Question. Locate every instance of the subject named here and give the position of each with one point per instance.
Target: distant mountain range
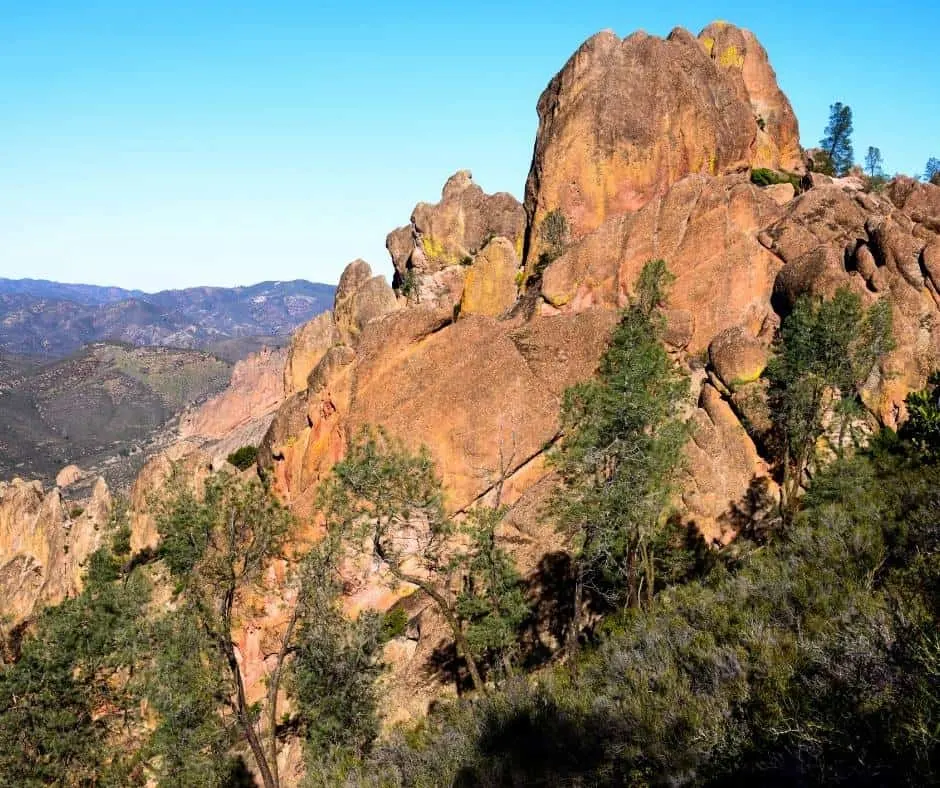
(52, 319)
(100, 407)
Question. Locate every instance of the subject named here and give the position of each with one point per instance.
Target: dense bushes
(811, 661)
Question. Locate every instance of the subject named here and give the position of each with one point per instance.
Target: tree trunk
(463, 647)
(244, 718)
(274, 685)
(574, 630)
(241, 702)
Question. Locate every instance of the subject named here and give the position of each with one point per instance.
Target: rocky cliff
(45, 542)
(644, 147)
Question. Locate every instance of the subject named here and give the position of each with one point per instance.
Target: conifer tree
(837, 142)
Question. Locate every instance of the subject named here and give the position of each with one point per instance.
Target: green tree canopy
(837, 141)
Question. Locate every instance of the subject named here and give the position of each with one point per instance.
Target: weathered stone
(45, 544)
(738, 358)
(68, 476)
(740, 54)
(780, 193)
(453, 231)
(625, 119)
(307, 346)
(333, 360)
(360, 298)
(490, 286)
(705, 229)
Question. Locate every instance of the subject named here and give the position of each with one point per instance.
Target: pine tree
(620, 456)
(932, 170)
(873, 162)
(837, 142)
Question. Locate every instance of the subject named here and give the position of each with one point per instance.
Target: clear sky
(184, 142)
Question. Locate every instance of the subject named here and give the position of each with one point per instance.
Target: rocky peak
(360, 298)
(454, 230)
(625, 119)
(738, 52)
(45, 543)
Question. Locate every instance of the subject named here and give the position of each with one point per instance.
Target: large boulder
(737, 357)
(832, 237)
(360, 298)
(625, 119)
(706, 230)
(490, 286)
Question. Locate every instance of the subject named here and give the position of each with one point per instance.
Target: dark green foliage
(244, 457)
(553, 232)
(382, 490)
(874, 164)
(932, 171)
(394, 624)
(922, 428)
(188, 686)
(760, 176)
(336, 664)
(408, 285)
(68, 700)
(824, 353)
(822, 163)
(811, 661)
(492, 601)
(837, 142)
(216, 546)
(622, 453)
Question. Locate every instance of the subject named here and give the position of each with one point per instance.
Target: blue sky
(171, 144)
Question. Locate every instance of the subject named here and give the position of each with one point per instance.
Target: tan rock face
(454, 230)
(360, 298)
(45, 544)
(68, 476)
(706, 231)
(740, 54)
(307, 346)
(625, 119)
(490, 285)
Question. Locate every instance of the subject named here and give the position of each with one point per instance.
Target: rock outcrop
(625, 119)
(706, 230)
(447, 233)
(242, 413)
(307, 346)
(741, 56)
(45, 543)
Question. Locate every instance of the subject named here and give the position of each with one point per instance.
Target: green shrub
(761, 176)
(244, 457)
(394, 624)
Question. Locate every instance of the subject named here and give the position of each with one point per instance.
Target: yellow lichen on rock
(490, 286)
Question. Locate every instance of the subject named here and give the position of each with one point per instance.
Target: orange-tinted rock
(307, 347)
(832, 237)
(454, 230)
(194, 467)
(706, 230)
(360, 298)
(623, 120)
(737, 357)
(740, 54)
(490, 285)
(723, 464)
(68, 476)
(45, 544)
